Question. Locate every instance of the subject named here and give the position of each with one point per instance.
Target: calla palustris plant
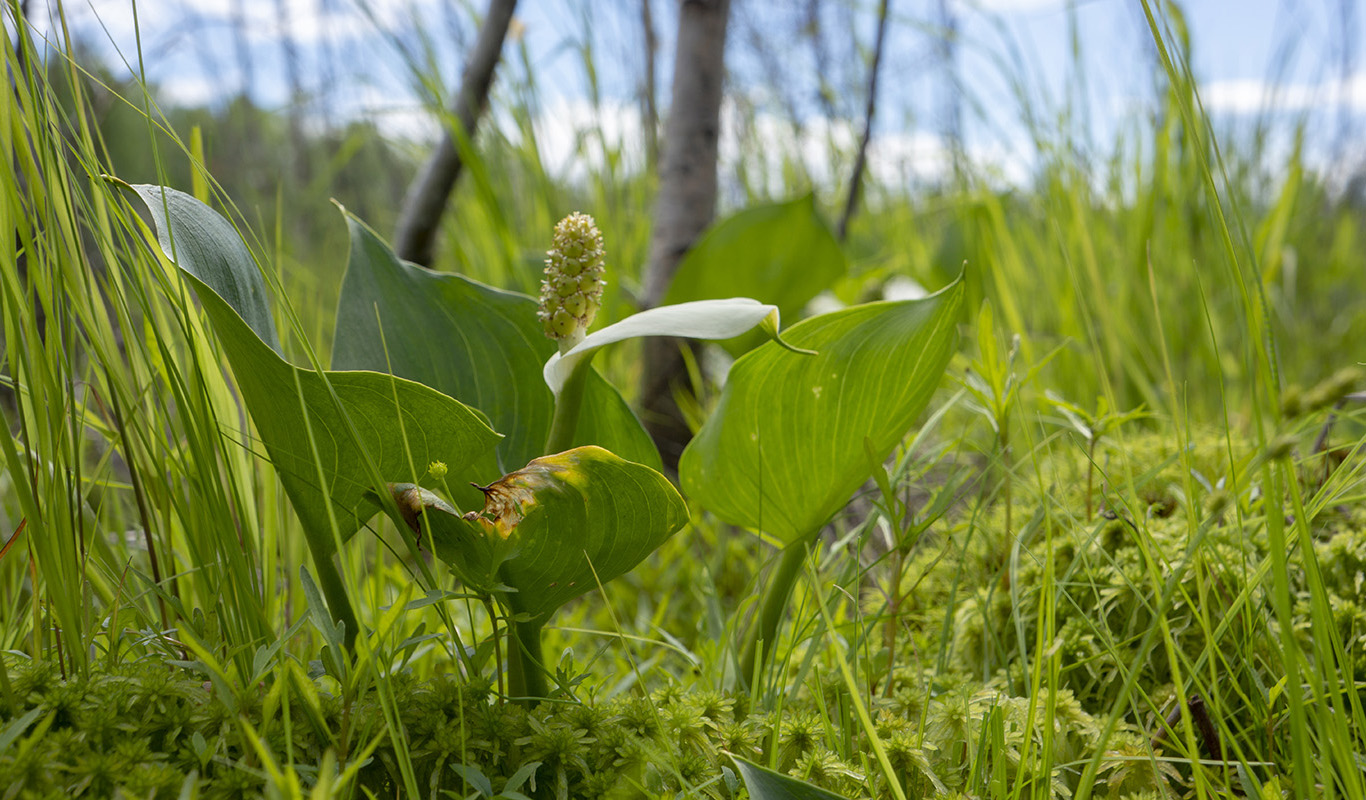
(422, 363)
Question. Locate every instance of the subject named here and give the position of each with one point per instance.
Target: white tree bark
(686, 202)
(651, 121)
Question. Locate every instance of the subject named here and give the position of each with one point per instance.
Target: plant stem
(567, 403)
(765, 631)
(526, 666)
(1005, 465)
(893, 614)
(497, 650)
(338, 601)
(6, 690)
(1090, 476)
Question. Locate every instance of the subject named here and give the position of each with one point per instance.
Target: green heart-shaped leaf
(554, 529)
(481, 345)
(784, 449)
(359, 423)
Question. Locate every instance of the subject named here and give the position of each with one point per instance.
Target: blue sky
(1015, 61)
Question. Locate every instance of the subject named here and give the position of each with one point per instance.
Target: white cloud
(567, 134)
(1009, 6)
(1250, 96)
(313, 21)
(189, 91)
(909, 158)
(568, 130)
(408, 122)
(400, 118)
(309, 23)
(825, 149)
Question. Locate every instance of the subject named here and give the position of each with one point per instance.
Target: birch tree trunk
(686, 202)
(651, 114)
(425, 202)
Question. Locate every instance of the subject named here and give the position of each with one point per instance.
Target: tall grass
(976, 593)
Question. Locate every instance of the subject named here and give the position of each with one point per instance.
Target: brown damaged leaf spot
(505, 505)
(508, 500)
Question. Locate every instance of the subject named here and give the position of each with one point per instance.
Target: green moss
(956, 726)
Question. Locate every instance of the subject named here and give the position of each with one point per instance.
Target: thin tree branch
(861, 160)
(430, 191)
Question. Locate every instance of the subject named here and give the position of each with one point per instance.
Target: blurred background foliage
(1061, 232)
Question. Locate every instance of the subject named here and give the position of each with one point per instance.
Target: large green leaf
(554, 529)
(480, 345)
(765, 784)
(785, 447)
(781, 253)
(351, 418)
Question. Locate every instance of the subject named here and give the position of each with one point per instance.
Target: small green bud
(560, 324)
(572, 289)
(437, 469)
(576, 304)
(564, 285)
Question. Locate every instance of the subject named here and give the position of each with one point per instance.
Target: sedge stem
(526, 666)
(765, 631)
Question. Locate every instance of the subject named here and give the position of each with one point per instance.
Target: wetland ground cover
(1085, 520)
